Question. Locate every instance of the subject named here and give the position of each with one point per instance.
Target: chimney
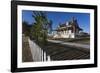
(67, 23)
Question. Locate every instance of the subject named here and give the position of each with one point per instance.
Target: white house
(69, 29)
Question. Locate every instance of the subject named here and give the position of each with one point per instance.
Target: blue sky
(83, 19)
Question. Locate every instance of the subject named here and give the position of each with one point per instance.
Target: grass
(63, 52)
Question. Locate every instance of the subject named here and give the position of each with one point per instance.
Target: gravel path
(71, 44)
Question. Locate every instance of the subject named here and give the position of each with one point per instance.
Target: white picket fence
(37, 53)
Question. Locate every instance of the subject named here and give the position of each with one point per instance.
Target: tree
(40, 26)
(26, 28)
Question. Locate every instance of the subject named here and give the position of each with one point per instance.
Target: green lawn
(63, 52)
